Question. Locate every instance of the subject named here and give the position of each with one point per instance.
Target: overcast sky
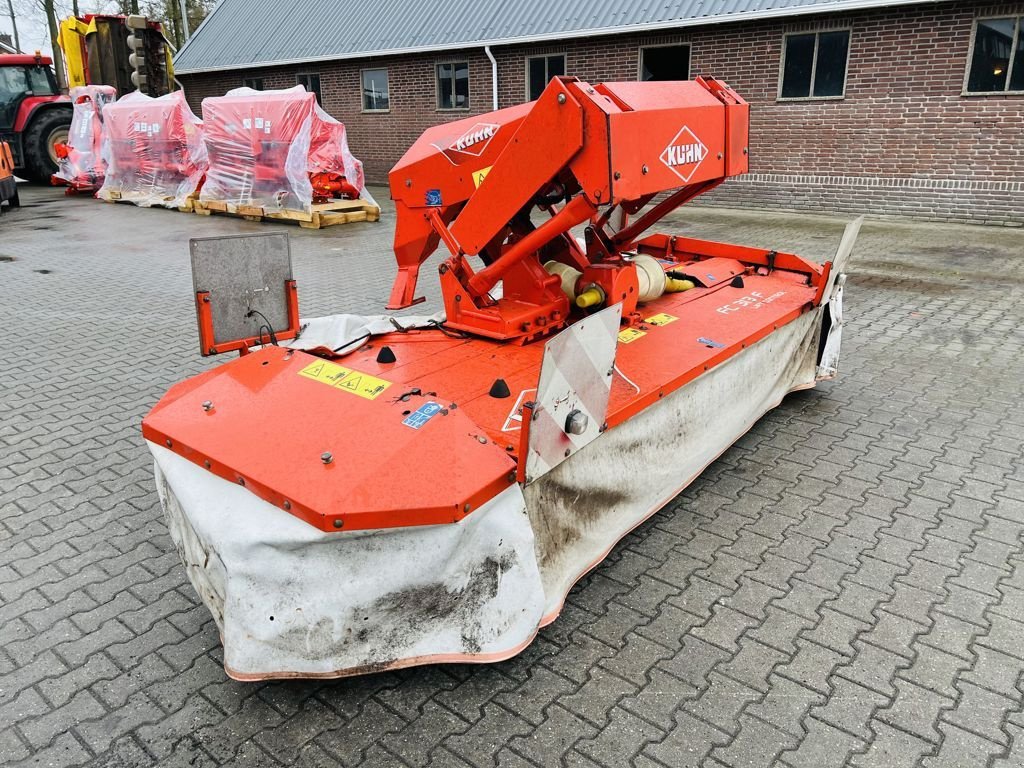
(32, 22)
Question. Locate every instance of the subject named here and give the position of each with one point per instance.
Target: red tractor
(34, 116)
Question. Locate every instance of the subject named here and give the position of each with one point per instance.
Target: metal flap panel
(575, 382)
(843, 253)
(246, 277)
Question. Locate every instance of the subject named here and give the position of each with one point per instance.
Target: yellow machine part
(169, 58)
(71, 39)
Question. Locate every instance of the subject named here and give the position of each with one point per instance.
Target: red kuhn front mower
(354, 494)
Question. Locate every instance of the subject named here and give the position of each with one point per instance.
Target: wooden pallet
(188, 207)
(320, 215)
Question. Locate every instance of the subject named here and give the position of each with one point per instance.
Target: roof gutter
(494, 78)
(671, 24)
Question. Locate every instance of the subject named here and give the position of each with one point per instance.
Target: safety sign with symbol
(479, 176)
(660, 319)
(629, 335)
(422, 415)
(345, 379)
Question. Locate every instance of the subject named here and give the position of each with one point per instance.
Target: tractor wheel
(41, 139)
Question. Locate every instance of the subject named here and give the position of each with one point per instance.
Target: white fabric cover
(476, 590)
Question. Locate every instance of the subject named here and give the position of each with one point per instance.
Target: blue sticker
(422, 415)
(710, 277)
(434, 197)
(710, 343)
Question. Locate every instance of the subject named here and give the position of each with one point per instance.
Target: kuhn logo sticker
(473, 142)
(684, 154)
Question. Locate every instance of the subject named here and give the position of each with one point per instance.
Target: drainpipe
(494, 77)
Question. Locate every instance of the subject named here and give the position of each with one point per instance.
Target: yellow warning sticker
(660, 319)
(629, 335)
(479, 176)
(363, 384)
(356, 382)
(327, 372)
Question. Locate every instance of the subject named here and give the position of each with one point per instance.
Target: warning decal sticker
(479, 176)
(629, 335)
(660, 319)
(345, 379)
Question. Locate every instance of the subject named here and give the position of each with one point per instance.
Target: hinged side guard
(244, 290)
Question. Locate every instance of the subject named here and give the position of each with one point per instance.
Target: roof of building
(6, 47)
(239, 34)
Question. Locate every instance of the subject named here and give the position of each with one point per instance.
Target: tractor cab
(34, 116)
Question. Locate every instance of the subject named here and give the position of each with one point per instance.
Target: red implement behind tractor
(80, 163)
(381, 492)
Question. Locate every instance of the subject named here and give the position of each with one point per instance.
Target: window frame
(640, 59)
(247, 80)
(545, 56)
(437, 85)
(1013, 51)
(362, 94)
(814, 64)
(319, 92)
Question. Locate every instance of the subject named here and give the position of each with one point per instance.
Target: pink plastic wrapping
(81, 167)
(153, 149)
(263, 146)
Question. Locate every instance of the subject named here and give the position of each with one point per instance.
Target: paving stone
(823, 747)
(915, 710)
(485, 737)
(695, 662)
(688, 743)
(415, 741)
(811, 666)
(603, 690)
(960, 747)
(753, 665)
(40, 731)
(532, 697)
(622, 738)
(892, 748)
(981, 711)
(781, 629)
(363, 731)
(786, 705)
(721, 703)
(836, 631)
(64, 750)
(554, 737)
(850, 708)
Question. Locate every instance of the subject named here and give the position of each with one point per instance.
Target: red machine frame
(208, 346)
(615, 146)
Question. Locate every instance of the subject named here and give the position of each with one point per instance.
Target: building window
(256, 83)
(997, 56)
(665, 62)
(539, 71)
(375, 90)
(453, 85)
(311, 83)
(814, 65)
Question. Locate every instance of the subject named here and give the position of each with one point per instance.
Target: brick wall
(903, 141)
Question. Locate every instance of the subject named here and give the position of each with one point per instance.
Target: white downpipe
(494, 77)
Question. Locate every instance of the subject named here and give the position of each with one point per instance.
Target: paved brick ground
(845, 586)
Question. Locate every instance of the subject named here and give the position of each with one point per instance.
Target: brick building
(904, 108)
